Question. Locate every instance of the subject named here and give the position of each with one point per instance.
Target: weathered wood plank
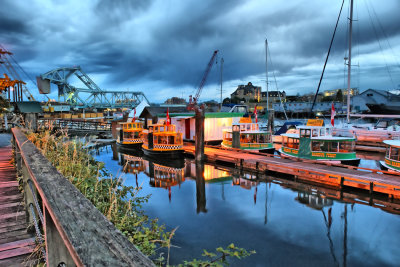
(14, 236)
(17, 244)
(12, 214)
(9, 184)
(16, 252)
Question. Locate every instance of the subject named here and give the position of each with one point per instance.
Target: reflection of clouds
(294, 235)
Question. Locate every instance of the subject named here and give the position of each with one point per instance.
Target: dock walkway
(15, 243)
(333, 176)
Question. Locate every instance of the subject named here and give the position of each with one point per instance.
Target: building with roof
(214, 124)
(370, 96)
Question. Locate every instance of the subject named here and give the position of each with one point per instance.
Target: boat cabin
(164, 137)
(131, 129)
(392, 157)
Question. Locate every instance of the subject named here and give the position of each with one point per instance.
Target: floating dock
(336, 176)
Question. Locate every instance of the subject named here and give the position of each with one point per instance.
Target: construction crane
(9, 68)
(193, 101)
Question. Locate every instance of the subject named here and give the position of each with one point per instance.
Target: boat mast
(266, 70)
(349, 62)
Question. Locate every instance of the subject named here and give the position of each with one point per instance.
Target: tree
(339, 96)
(226, 101)
(4, 105)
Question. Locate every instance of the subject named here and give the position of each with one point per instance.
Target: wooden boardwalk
(15, 243)
(332, 176)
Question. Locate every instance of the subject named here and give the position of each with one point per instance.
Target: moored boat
(392, 157)
(247, 135)
(129, 134)
(162, 141)
(316, 142)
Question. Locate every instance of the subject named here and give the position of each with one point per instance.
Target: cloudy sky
(162, 47)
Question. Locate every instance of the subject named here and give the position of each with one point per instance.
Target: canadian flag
(255, 113)
(333, 113)
(168, 119)
(134, 114)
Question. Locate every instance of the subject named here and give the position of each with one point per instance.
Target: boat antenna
(266, 70)
(326, 59)
(349, 62)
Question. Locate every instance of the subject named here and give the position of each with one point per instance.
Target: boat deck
(16, 245)
(375, 181)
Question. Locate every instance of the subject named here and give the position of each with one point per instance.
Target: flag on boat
(255, 113)
(134, 114)
(333, 113)
(168, 118)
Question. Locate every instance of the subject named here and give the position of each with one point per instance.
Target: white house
(214, 124)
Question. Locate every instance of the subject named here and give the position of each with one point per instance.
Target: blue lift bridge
(91, 96)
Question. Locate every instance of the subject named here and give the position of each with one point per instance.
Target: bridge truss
(90, 97)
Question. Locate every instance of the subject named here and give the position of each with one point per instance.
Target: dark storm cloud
(168, 42)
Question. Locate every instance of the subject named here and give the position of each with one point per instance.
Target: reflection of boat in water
(164, 176)
(247, 136)
(244, 183)
(162, 141)
(392, 157)
(132, 163)
(318, 143)
(314, 201)
(129, 134)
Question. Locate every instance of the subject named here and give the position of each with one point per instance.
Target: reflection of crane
(193, 102)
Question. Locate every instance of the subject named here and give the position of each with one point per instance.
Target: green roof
(207, 115)
(29, 107)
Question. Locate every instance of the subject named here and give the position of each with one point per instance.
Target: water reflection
(287, 222)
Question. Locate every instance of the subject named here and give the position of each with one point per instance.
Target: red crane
(193, 102)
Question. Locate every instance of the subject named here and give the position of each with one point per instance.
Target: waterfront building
(369, 96)
(353, 92)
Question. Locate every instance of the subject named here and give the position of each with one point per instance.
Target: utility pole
(222, 67)
(266, 70)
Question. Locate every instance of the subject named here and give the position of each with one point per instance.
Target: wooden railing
(75, 232)
(74, 125)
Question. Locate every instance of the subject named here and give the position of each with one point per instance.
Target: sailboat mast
(266, 70)
(349, 62)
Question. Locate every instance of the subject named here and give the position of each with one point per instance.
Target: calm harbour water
(286, 223)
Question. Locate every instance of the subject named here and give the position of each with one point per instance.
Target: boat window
(178, 138)
(314, 132)
(171, 139)
(150, 129)
(322, 132)
(333, 146)
(161, 129)
(228, 136)
(346, 146)
(253, 127)
(293, 143)
(248, 127)
(305, 132)
(394, 153)
(316, 145)
(328, 131)
(262, 138)
(162, 139)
